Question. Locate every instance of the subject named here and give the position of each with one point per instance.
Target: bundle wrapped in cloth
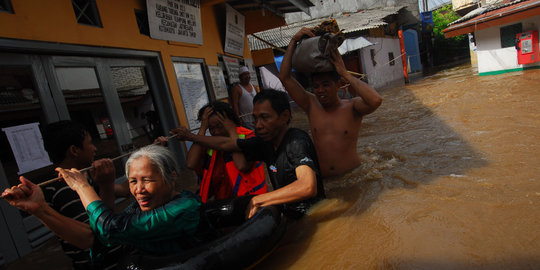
(312, 54)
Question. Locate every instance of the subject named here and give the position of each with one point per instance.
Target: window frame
(93, 9)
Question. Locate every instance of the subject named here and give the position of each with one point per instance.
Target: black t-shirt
(295, 150)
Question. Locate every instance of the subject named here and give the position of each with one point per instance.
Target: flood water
(449, 180)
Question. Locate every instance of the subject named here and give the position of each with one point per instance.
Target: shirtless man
(335, 123)
(242, 98)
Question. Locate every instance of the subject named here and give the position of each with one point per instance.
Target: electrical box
(527, 47)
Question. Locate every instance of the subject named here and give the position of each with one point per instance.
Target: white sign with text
(235, 32)
(176, 20)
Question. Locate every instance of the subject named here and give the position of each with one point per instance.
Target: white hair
(161, 157)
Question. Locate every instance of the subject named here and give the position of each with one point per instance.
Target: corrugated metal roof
(483, 10)
(352, 22)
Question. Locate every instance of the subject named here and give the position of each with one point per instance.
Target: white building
(494, 28)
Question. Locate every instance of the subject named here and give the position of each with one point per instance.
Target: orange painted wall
(264, 21)
(263, 57)
(54, 21)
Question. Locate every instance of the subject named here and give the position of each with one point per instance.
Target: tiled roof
(352, 22)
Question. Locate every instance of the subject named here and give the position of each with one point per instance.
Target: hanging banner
(232, 65)
(234, 32)
(218, 82)
(27, 147)
(176, 20)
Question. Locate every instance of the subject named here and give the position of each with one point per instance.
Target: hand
(337, 61)
(162, 140)
(182, 133)
(227, 123)
(103, 171)
(73, 177)
(252, 209)
(302, 33)
(27, 196)
(204, 120)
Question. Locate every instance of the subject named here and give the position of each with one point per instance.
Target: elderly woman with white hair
(167, 227)
(161, 220)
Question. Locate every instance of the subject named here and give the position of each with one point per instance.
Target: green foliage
(447, 49)
(441, 18)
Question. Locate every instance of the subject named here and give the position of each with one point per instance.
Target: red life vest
(250, 182)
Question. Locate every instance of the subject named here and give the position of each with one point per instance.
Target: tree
(447, 49)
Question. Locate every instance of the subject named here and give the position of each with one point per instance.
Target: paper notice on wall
(218, 82)
(27, 147)
(176, 20)
(192, 89)
(252, 72)
(234, 32)
(233, 66)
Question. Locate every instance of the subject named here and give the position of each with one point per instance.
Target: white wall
(491, 57)
(383, 75)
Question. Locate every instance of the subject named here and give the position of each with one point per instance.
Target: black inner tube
(250, 240)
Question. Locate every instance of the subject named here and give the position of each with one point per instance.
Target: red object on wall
(527, 47)
(403, 56)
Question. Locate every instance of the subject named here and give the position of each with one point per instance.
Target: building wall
(332, 8)
(54, 21)
(382, 74)
(460, 4)
(493, 58)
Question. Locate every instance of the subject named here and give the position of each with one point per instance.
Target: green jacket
(165, 230)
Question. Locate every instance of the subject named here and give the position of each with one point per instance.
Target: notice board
(193, 90)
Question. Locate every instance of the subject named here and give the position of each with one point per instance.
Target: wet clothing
(295, 150)
(221, 179)
(66, 202)
(164, 230)
(245, 107)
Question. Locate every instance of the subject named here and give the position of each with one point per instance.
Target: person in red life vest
(222, 174)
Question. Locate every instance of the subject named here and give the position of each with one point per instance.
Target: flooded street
(449, 181)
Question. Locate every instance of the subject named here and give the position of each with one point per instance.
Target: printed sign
(235, 32)
(176, 20)
(192, 89)
(27, 146)
(252, 72)
(218, 82)
(232, 65)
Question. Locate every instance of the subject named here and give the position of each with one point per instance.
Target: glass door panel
(19, 105)
(140, 113)
(84, 98)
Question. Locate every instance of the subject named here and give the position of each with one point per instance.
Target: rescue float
(245, 246)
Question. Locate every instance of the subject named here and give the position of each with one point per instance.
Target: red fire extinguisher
(107, 127)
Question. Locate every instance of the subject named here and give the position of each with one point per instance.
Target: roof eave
(476, 24)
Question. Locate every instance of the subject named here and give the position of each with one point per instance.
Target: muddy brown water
(449, 180)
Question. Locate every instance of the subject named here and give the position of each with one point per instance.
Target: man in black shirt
(289, 155)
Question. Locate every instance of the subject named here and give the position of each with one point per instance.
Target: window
(5, 5)
(391, 58)
(142, 22)
(86, 12)
(508, 35)
(372, 53)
